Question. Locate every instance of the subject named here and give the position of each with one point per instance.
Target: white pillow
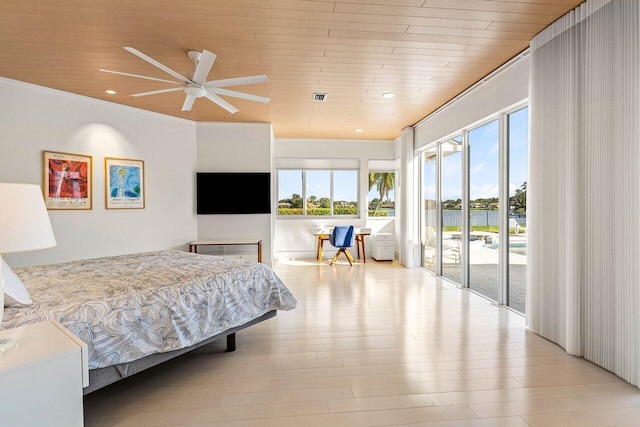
(14, 290)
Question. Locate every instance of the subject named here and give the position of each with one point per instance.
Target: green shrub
(318, 211)
(345, 211)
(290, 211)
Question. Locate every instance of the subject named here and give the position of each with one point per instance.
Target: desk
(193, 246)
(324, 233)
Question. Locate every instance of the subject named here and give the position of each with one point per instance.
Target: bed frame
(102, 377)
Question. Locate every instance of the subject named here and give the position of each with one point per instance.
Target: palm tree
(384, 182)
(519, 200)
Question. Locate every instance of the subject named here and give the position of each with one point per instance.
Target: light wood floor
(374, 345)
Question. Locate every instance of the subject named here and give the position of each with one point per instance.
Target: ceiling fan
(196, 86)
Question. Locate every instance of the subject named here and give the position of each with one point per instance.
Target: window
(382, 201)
(345, 193)
(290, 192)
(318, 192)
(313, 192)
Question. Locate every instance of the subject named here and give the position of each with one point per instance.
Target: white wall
(506, 87)
(235, 147)
(33, 119)
(293, 236)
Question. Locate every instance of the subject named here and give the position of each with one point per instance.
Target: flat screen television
(220, 193)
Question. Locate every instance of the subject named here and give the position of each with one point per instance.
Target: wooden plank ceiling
(424, 51)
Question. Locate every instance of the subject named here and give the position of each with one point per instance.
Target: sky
(484, 162)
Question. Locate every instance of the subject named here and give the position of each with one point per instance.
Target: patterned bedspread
(129, 306)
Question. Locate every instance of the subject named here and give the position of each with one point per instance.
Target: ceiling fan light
(195, 56)
(195, 91)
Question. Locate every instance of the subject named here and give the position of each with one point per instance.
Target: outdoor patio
(483, 268)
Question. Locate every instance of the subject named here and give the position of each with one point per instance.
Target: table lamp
(24, 223)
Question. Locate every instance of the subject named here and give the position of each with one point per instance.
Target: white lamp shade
(24, 221)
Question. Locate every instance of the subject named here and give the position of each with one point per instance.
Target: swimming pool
(514, 247)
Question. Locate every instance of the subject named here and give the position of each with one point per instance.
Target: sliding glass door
(450, 233)
(431, 240)
(518, 124)
(474, 208)
(484, 215)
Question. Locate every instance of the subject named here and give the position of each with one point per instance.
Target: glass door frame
(503, 203)
(439, 208)
(466, 213)
(438, 211)
(503, 208)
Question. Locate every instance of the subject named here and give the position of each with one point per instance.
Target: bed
(135, 311)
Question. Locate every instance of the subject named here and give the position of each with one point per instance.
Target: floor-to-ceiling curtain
(584, 186)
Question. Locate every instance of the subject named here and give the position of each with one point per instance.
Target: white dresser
(382, 246)
(41, 380)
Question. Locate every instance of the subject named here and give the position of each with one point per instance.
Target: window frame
(304, 195)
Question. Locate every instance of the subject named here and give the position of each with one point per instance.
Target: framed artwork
(124, 183)
(67, 181)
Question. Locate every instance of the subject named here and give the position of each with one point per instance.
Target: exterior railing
(479, 218)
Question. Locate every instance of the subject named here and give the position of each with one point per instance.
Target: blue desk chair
(342, 237)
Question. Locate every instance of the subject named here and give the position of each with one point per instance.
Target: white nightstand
(41, 380)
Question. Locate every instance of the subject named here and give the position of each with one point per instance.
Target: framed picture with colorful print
(124, 183)
(67, 181)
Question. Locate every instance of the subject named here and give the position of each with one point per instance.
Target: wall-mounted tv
(233, 193)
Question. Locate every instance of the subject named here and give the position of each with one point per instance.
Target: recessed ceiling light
(388, 95)
(110, 91)
(358, 130)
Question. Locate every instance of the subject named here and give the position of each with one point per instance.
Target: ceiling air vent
(319, 97)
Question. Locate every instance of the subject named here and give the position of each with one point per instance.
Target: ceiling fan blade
(221, 102)
(155, 63)
(141, 77)
(173, 89)
(204, 66)
(188, 103)
(235, 94)
(237, 81)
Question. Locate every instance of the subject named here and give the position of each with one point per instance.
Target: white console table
(41, 380)
(193, 246)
